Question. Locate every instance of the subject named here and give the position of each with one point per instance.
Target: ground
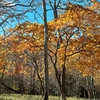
(31, 97)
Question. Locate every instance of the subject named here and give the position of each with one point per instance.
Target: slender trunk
(45, 52)
(40, 83)
(63, 95)
(37, 72)
(89, 94)
(88, 83)
(32, 82)
(55, 10)
(61, 82)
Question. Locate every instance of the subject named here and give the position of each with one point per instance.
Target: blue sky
(50, 12)
(39, 19)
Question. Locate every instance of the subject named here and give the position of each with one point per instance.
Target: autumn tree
(73, 41)
(75, 35)
(72, 34)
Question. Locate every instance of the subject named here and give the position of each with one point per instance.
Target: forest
(50, 48)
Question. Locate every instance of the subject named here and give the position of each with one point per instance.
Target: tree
(73, 40)
(46, 91)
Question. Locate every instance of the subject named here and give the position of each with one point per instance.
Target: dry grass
(31, 97)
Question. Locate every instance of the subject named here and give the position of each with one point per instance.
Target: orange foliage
(74, 36)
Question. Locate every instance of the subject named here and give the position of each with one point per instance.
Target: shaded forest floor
(31, 97)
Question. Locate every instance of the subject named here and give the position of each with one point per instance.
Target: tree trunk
(63, 95)
(55, 10)
(42, 89)
(88, 83)
(89, 94)
(45, 52)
